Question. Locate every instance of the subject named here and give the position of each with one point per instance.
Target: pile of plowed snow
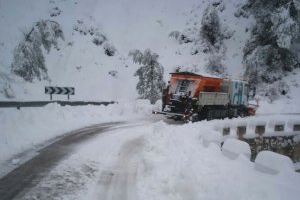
(177, 165)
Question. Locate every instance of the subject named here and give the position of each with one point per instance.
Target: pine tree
(28, 61)
(150, 75)
(268, 54)
(212, 36)
(210, 26)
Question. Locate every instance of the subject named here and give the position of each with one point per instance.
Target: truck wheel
(194, 118)
(209, 115)
(242, 113)
(232, 113)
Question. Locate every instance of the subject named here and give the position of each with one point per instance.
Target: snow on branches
(268, 54)
(150, 74)
(28, 61)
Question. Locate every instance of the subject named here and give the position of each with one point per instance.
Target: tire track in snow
(120, 182)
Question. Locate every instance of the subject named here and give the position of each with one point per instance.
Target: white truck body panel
(213, 98)
(238, 92)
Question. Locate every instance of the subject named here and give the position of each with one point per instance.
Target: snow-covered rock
(270, 162)
(232, 148)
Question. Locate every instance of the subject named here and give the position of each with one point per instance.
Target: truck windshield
(183, 86)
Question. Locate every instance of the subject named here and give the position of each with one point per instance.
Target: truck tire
(210, 115)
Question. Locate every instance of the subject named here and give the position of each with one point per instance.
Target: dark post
(68, 97)
(50, 97)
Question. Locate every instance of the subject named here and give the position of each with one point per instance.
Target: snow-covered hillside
(170, 28)
(79, 62)
(105, 49)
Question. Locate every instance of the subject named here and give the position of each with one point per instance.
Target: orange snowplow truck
(195, 97)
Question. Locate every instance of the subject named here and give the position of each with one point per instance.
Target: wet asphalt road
(26, 176)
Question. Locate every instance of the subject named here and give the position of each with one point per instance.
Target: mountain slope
(137, 24)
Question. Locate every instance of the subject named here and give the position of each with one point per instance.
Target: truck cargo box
(213, 98)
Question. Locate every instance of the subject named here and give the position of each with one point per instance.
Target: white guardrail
(265, 125)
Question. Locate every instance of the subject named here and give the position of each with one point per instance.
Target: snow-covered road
(119, 182)
(143, 160)
(24, 181)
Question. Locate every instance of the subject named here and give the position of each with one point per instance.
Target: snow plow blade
(169, 114)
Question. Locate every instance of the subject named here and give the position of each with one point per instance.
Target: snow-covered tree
(210, 27)
(99, 39)
(150, 75)
(28, 61)
(268, 55)
(49, 32)
(180, 37)
(109, 49)
(215, 66)
(267, 64)
(285, 26)
(213, 36)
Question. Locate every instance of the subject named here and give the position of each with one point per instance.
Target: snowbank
(270, 162)
(232, 148)
(176, 165)
(25, 128)
(210, 136)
